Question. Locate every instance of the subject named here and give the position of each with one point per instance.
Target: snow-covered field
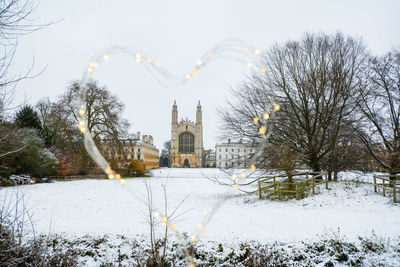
(98, 207)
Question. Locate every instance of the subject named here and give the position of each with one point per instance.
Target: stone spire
(199, 114)
(174, 113)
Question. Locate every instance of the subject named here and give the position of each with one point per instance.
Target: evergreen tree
(27, 117)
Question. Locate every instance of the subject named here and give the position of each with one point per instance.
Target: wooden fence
(279, 186)
(389, 183)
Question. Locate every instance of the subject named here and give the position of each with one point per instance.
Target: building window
(186, 143)
(138, 150)
(233, 150)
(219, 156)
(220, 150)
(238, 149)
(233, 156)
(245, 150)
(226, 150)
(138, 156)
(226, 156)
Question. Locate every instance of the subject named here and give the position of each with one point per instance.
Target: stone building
(132, 149)
(234, 154)
(186, 140)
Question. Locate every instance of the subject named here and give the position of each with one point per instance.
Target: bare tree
(15, 20)
(312, 79)
(379, 105)
(103, 109)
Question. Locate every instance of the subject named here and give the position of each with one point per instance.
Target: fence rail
(296, 188)
(389, 183)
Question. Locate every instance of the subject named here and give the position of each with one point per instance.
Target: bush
(136, 168)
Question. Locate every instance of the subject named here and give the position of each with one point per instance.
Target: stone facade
(234, 154)
(186, 140)
(132, 149)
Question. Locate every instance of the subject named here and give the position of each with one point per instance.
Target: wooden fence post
(383, 187)
(259, 189)
(374, 183)
(278, 190)
(297, 192)
(326, 181)
(313, 186)
(394, 190)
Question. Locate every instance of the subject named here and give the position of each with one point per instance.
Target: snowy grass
(96, 208)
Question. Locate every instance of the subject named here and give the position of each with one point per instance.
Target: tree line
(44, 139)
(340, 106)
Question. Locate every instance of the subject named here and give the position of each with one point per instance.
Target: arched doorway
(186, 164)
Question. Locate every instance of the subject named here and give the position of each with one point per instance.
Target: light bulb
(206, 213)
(211, 55)
(157, 214)
(263, 69)
(262, 130)
(256, 119)
(82, 123)
(188, 76)
(173, 227)
(106, 56)
(245, 50)
(83, 130)
(253, 167)
(194, 238)
(243, 176)
(111, 176)
(236, 187)
(164, 221)
(199, 62)
(118, 176)
(266, 116)
(257, 51)
(277, 107)
(82, 112)
(90, 70)
(234, 177)
(122, 181)
(200, 226)
(249, 64)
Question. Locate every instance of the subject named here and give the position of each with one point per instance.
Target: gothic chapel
(186, 141)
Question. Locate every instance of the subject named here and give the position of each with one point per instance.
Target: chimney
(138, 135)
(145, 138)
(150, 139)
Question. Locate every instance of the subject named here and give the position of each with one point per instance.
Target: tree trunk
(335, 175)
(329, 175)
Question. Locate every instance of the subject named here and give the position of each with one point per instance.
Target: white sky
(177, 33)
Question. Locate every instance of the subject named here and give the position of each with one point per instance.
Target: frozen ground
(98, 207)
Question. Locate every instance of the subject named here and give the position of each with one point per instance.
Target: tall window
(186, 143)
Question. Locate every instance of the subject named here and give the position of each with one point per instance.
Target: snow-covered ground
(98, 207)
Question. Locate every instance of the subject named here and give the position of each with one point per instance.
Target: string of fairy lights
(232, 49)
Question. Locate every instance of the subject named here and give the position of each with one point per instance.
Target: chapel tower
(186, 140)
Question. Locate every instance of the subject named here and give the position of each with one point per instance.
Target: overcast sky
(177, 33)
